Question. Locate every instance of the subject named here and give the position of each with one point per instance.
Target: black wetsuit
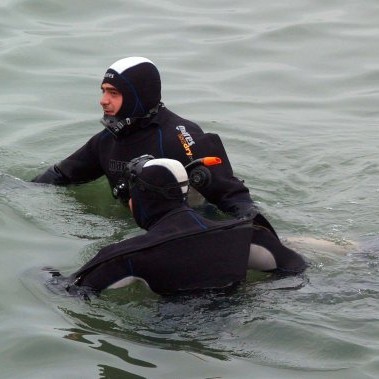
(165, 135)
(181, 251)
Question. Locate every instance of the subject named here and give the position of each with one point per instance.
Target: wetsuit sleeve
(225, 190)
(80, 167)
(52, 175)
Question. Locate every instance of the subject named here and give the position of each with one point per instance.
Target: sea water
(292, 89)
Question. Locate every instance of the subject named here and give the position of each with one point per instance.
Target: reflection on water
(307, 322)
(239, 323)
(108, 372)
(79, 335)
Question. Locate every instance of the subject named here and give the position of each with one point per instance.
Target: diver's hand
(246, 211)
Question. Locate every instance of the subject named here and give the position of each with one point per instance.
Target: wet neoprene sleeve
(80, 167)
(52, 175)
(165, 136)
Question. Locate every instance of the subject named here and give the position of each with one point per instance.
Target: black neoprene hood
(139, 82)
(161, 186)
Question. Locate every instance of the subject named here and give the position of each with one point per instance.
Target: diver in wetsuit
(181, 250)
(136, 123)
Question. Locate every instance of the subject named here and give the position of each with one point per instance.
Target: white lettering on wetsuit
(117, 166)
(109, 75)
(186, 135)
(186, 140)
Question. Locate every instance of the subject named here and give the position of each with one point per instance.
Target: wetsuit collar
(121, 127)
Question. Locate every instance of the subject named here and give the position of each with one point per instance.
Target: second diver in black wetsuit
(181, 250)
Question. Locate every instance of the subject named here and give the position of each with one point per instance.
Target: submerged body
(181, 250)
(184, 251)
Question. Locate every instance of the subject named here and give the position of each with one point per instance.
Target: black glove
(250, 211)
(244, 211)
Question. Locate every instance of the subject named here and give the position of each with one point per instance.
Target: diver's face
(111, 99)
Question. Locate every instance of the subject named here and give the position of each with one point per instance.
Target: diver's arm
(225, 190)
(53, 175)
(80, 167)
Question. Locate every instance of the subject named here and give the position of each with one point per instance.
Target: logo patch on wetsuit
(186, 140)
(117, 166)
